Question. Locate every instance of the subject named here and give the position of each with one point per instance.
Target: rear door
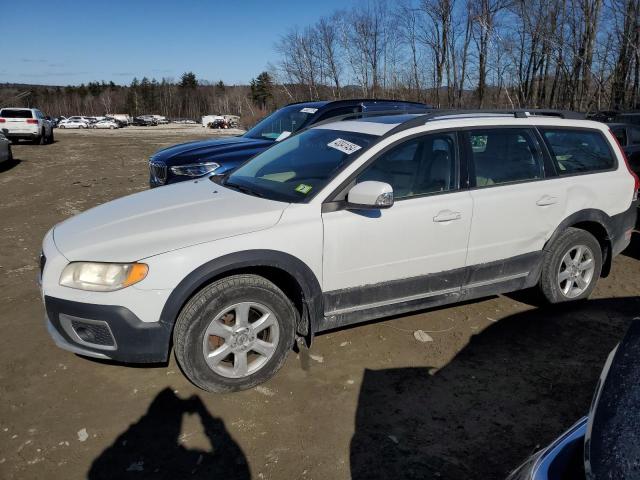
(514, 208)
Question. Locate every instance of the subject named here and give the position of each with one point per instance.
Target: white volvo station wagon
(348, 221)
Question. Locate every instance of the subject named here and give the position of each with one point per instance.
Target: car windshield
(300, 166)
(16, 114)
(289, 119)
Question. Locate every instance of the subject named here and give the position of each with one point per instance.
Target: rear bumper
(106, 331)
(21, 135)
(621, 227)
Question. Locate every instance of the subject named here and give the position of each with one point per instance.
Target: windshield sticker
(308, 110)
(303, 188)
(344, 146)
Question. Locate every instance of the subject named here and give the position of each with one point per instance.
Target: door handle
(546, 200)
(447, 216)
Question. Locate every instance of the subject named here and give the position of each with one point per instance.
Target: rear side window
(505, 155)
(579, 151)
(16, 113)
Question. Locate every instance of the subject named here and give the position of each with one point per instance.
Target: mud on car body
(344, 222)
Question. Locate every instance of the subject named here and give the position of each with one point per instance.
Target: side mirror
(370, 195)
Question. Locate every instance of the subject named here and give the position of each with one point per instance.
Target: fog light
(86, 334)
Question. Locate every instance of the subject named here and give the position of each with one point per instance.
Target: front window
(287, 119)
(299, 167)
(420, 166)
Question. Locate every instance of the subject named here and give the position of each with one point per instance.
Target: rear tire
(40, 139)
(571, 267)
(234, 334)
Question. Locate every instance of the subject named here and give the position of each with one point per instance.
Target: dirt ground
(501, 377)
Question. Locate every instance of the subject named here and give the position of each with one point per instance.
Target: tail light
(636, 186)
(2, 120)
(32, 121)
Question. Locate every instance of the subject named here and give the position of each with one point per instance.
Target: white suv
(26, 124)
(342, 223)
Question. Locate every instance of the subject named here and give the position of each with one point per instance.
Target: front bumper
(106, 331)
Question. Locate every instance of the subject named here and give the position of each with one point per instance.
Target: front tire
(571, 267)
(234, 334)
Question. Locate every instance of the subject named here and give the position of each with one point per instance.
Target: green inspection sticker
(303, 188)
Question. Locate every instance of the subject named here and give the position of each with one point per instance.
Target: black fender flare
(588, 215)
(296, 268)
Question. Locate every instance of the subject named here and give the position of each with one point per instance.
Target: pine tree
(262, 89)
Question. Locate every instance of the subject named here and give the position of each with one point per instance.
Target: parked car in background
(26, 124)
(71, 123)
(118, 121)
(628, 136)
(112, 124)
(209, 119)
(6, 155)
(186, 161)
(628, 117)
(145, 121)
(122, 118)
(606, 443)
(345, 222)
(605, 116)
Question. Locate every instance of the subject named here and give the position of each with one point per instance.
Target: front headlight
(102, 277)
(195, 169)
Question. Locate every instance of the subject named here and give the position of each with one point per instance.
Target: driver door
(379, 262)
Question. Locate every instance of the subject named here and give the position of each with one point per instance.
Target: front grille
(93, 333)
(157, 173)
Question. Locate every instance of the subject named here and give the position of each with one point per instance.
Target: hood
(210, 150)
(163, 219)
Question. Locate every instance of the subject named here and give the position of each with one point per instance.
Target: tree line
(188, 98)
(569, 54)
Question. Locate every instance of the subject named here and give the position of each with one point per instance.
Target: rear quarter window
(579, 151)
(16, 113)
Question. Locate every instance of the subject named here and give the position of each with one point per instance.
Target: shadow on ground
(466, 420)
(8, 165)
(150, 448)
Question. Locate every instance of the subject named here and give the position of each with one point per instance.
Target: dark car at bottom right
(606, 443)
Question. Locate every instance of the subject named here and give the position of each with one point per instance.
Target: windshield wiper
(242, 189)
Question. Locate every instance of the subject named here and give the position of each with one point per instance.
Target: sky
(66, 42)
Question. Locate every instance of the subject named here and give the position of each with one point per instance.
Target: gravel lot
(501, 377)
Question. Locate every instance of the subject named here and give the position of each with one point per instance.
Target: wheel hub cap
(241, 339)
(576, 271)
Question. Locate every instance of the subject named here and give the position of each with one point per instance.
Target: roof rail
(450, 114)
(376, 113)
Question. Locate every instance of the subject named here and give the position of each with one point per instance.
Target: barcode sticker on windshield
(309, 110)
(344, 146)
